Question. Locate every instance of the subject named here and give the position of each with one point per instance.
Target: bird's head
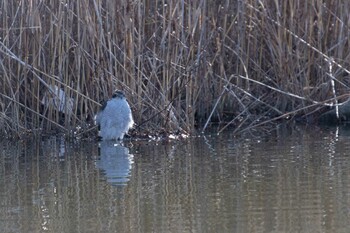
(118, 94)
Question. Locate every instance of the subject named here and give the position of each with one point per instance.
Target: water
(290, 181)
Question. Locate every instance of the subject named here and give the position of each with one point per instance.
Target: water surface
(294, 180)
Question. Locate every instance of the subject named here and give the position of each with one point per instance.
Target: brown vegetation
(181, 64)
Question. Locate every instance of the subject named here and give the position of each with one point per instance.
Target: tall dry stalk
(181, 63)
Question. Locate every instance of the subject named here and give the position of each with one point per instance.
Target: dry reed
(182, 64)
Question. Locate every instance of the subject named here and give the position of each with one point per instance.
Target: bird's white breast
(115, 119)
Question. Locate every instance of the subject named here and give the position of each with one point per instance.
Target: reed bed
(182, 64)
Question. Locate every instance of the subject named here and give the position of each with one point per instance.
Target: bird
(115, 117)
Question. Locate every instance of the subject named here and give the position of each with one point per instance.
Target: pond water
(294, 180)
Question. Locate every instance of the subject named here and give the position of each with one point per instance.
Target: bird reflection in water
(115, 162)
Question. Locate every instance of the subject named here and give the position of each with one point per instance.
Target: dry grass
(182, 64)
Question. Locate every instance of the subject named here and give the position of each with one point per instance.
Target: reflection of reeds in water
(180, 63)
